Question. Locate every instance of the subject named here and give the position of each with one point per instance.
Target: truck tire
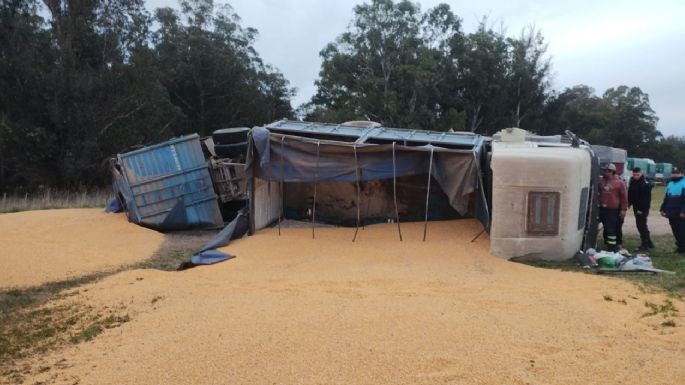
(230, 135)
(231, 151)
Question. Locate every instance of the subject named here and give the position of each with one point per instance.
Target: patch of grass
(566, 265)
(113, 321)
(669, 323)
(165, 261)
(658, 193)
(31, 330)
(28, 323)
(663, 257)
(177, 248)
(98, 327)
(17, 299)
(667, 309)
(87, 334)
(36, 330)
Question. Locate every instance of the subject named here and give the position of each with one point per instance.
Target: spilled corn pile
(53, 245)
(292, 309)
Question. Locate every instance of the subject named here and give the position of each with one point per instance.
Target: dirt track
(657, 224)
(290, 309)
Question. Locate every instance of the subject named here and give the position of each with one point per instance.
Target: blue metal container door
(170, 185)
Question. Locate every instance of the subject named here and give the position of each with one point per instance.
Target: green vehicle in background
(648, 167)
(663, 172)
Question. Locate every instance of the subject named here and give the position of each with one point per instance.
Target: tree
(92, 80)
(621, 118)
(482, 60)
(402, 67)
(371, 70)
(528, 79)
(26, 57)
(634, 122)
(668, 150)
(579, 110)
(212, 71)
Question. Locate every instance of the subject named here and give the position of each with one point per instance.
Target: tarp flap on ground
(209, 255)
(283, 157)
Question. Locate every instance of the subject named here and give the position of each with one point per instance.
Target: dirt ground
(290, 309)
(38, 247)
(657, 224)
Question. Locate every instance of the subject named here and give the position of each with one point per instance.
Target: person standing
(613, 203)
(673, 208)
(619, 229)
(640, 198)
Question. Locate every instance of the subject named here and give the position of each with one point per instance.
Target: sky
(601, 44)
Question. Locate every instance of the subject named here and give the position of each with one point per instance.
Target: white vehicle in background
(663, 173)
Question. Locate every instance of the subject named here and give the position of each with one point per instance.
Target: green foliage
(213, 73)
(401, 67)
(670, 149)
(405, 68)
(622, 117)
(81, 81)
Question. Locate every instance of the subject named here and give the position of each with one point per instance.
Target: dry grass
(54, 199)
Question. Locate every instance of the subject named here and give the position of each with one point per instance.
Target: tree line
(403, 67)
(83, 80)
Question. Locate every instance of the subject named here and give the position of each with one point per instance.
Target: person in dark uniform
(640, 198)
(673, 208)
(613, 203)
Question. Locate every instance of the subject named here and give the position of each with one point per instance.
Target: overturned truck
(536, 196)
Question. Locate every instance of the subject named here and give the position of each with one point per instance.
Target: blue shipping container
(167, 186)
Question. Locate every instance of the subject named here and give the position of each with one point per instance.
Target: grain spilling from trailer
(356, 176)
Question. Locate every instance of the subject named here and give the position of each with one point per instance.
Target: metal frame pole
(269, 208)
(280, 214)
(356, 172)
(428, 191)
(394, 191)
(316, 182)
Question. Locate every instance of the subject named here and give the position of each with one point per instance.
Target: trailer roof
(375, 133)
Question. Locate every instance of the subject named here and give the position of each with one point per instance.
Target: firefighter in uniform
(613, 203)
